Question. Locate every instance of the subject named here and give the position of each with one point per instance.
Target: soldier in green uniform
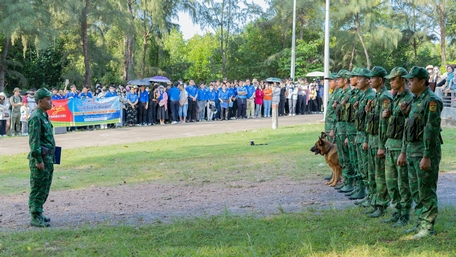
(422, 150)
(397, 176)
(348, 112)
(330, 113)
(342, 82)
(376, 142)
(41, 157)
(366, 95)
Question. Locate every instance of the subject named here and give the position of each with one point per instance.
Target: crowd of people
(388, 142)
(176, 103)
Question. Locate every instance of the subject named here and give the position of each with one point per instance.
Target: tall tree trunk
(441, 10)
(222, 41)
(352, 56)
(358, 31)
(144, 50)
(415, 51)
(128, 43)
(3, 63)
(126, 60)
(85, 43)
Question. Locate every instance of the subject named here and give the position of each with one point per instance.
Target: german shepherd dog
(329, 150)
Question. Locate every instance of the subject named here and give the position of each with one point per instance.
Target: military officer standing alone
(41, 157)
(397, 176)
(422, 150)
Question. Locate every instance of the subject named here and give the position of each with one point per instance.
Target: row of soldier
(388, 142)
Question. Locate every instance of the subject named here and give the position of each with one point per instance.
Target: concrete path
(17, 145)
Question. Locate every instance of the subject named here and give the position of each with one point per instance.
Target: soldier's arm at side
(432, 128)
(34, 139)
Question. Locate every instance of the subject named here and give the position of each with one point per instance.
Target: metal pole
(293, 44)
(326, 85)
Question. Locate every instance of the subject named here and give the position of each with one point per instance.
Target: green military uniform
(376, 140)
(348, 115)
(330, 113)
(422, 140)
(397, 176)
(42, 146)
(341, 130)
(361, 154)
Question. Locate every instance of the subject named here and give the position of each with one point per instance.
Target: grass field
(213, 159)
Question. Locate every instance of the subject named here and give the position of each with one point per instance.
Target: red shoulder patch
(386, 103)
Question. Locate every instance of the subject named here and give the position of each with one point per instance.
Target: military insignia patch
(386, 103)
(432, 106)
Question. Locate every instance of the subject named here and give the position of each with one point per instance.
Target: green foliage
(309, 57)
(200, 50)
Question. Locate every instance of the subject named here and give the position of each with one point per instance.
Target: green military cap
(417, 72)
(397, 72)
(332, 76)
(364, 73)
(42, 93)
(355, 72)
(377, 71)
(343, 74)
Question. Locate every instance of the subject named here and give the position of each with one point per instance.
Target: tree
(366, 19)
(225, 18)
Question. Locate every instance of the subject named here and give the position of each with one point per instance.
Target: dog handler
(41, 157)
(422, 150)
(342, 82)
(397, 176)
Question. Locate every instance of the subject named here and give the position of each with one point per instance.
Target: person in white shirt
(292, 98)
(25, 114)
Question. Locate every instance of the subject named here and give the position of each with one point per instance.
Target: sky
(189, 29)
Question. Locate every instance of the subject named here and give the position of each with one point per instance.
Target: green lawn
(226, 157)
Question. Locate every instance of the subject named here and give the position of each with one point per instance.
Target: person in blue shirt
(55, 94)
(320, 92)
(73, 93)
(201, 101)
(192, 91)
(85, 94)
(112, 91)
(174, 94)
(224, 96)
(132, 105)
(241, 100)
(231, 87)
(251, 88)
(143, 105)
(211, 95)
(217, 89)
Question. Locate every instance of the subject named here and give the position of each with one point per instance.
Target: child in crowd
(25, 114)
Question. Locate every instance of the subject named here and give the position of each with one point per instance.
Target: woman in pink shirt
(259, 94)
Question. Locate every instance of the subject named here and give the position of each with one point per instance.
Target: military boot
(46, 219)
(340, 185)
(329, 177)
(414, 229)
(394, 218)
(348, 186)
(378, 213)
(360, 194)
(37, 221)
(365, 199)
(424, 231)
(355, 190)
(370, 211)
(403, 220)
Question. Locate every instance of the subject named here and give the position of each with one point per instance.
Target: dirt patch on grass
(155, 202)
